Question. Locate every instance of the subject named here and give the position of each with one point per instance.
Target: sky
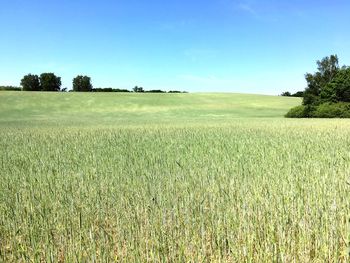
(245, 46)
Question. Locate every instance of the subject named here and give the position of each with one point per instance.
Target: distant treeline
(51, 82)
(136, 89)
(13, 88)
(296, 94)
(108, 90)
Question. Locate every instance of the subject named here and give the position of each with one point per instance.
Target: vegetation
(109, 90)
(73, 108)
(188, 178)
(50, 82)
(176, 91)
(31, 83)
(138, 89)
(10, 88)
(296, 94)
(328, 92)
(155, 91)
(46, 82)
(82, 83)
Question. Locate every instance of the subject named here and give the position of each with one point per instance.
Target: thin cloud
(247, 8)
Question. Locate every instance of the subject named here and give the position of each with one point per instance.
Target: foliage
(327, 68)
(109, 90)
(296, 94)
(155, 91)
(30, 83)
(332, 110)
(286, 94)
(10, 88)
(50, 82)
(297, 112)
(327, 89)
(338, 90)
(323, 110)
(138, 89)
(82, 83)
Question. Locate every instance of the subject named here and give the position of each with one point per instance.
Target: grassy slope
(122, 108)
(245, 185)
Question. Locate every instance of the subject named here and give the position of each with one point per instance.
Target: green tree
(338, 90)
(50, 82)
(30, 83)
(82, 83)
(138, 89)
(327, 68)
(286, 94)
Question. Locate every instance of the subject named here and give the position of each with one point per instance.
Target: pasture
(170, 178)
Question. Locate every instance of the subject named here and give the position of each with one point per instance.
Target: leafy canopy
(82, 83)
(328, 92)
(50, 82)
(30, 83)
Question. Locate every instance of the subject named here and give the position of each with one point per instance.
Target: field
(170, 178)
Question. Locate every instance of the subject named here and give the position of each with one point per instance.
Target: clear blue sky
(245, 46)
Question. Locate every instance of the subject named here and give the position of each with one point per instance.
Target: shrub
(297, 112)
(332, 110)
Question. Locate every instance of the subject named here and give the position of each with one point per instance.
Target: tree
(50, 82)
(338, 90)
(30, 83)
(138, 89)
(327, 68)
(82, 83)
(298, 94)
(286, 94)
(328, 92)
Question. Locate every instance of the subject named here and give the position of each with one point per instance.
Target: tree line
(327, 94)
(296, 94)
(10, 88)
(51, 82)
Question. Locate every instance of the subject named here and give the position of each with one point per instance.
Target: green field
(170, 178)
(45, 109)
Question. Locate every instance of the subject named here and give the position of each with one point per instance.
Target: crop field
(170, 178)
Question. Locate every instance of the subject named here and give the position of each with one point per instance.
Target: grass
(135, 109)
(196, 181)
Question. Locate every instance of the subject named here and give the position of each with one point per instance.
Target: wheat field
(178, 178)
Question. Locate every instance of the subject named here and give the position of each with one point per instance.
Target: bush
(324, 110)
(332, 110)
(297, 112)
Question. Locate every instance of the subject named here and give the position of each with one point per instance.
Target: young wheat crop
(257, 190)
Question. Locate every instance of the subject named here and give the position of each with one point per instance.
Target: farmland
(170, 177)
